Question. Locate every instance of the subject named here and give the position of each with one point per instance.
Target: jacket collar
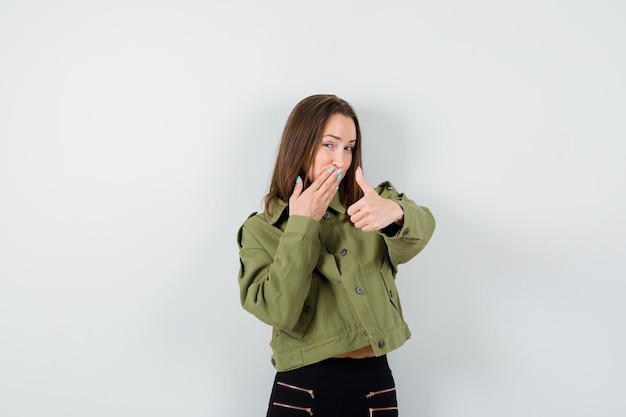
(335, 205)
(282, 206)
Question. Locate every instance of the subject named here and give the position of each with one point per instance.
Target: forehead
(340, 127)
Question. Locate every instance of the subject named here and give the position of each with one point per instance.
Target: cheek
(347, 161)
(314, 173)
(321, 160)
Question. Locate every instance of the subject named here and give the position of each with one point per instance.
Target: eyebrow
(338, 138)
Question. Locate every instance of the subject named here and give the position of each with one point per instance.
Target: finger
(297, 189)
(354, 208)
(360, 179)
(331, 182)
(322, 178)
(362, 223)
(357, 217)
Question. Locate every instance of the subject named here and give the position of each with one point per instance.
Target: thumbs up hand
(373, 212)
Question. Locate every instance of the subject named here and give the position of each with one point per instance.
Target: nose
(338, 160)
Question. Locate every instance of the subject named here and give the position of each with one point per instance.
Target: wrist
(399, 219)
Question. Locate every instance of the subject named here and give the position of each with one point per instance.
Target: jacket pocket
(308, 311)
(327, 266)
(390, 288)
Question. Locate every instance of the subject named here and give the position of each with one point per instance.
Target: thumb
(360, 179)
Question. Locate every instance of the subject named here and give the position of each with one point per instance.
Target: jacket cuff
(303, 225)
(418, 222)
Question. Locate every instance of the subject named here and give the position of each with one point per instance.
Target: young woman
(319, 266)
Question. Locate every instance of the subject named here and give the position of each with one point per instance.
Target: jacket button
(273, 362)
(307, 309)
(326, 215)
(344, 251)
(405, 232)
(381, 344)
(360, 290)
(390, 293)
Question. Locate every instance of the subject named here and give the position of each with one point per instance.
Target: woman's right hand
(314, 201)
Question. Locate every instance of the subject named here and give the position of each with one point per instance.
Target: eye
(349, 148)
(328, 145)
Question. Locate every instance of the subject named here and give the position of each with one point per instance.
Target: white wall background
(136, 136)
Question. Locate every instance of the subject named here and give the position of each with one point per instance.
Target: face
(335, 150)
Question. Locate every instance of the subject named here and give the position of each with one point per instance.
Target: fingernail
(339, 173)
(331, 169)
(336, 188)
(298, 180)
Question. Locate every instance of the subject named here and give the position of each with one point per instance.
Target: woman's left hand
(373, 212)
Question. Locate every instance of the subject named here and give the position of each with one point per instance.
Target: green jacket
(327, 287)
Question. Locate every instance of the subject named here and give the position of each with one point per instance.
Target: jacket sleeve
(275, 275)
(404, 242)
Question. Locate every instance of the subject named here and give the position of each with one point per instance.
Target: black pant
(336, 388)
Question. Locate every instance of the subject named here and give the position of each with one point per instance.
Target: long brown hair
(301, 140)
